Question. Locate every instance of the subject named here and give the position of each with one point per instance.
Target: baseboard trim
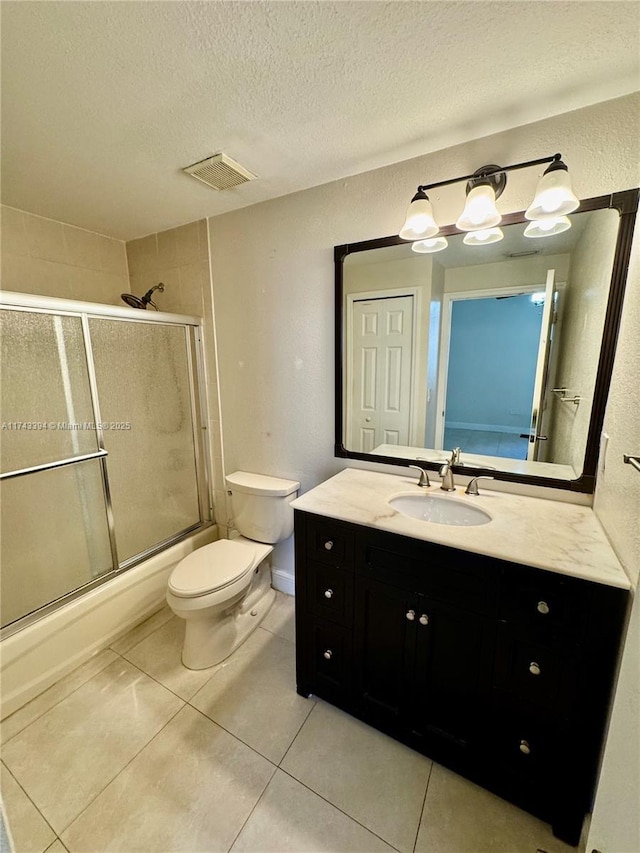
(283, 581)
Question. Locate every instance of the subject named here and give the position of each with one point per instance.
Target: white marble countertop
(552, 535)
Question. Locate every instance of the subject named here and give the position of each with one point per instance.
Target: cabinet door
(453, 663)
(385, 637)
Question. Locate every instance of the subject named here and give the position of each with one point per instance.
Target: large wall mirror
(504, 350)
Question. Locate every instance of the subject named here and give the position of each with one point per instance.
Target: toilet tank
(261, 506)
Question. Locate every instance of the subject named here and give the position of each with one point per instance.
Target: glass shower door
(148, 410)
(54, 534)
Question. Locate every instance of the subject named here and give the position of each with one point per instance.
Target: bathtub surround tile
(82, 247)
(143, 630)
(113, 256)
(167, 250)
(460, 817)
(281, 619)
(26, 715)
(372, 778)
(45, 239)
(14, 235)
(87, 739)
(160, 656)
(187, 247)
(252, 695)
(29, 830)
(142, 255)
(192, 788)
(203, 240)
(292, 819)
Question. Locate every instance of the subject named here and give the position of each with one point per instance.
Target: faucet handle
(424, 477)
(472, 488)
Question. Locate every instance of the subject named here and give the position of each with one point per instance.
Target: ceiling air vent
(220, 172)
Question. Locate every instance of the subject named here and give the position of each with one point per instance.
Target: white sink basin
(440, 510)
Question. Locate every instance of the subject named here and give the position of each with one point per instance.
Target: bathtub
(40, 654)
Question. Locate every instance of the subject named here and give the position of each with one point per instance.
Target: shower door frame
(85, 311)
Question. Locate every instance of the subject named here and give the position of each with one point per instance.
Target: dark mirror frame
(626, 203)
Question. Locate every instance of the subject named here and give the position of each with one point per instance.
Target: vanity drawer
(330, 593)
(329, 658)
(528, 747)
(455, 577)
(530, 674)
(329, 542)
(546, 603)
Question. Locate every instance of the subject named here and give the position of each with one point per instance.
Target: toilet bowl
(223, 590)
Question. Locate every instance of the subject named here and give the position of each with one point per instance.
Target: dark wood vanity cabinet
(499, 671)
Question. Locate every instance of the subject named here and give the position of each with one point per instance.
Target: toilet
(223, 590)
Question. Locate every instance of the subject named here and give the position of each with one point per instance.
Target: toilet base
(211, 639)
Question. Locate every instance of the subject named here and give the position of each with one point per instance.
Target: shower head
(137, 302)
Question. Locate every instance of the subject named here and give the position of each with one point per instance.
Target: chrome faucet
(424, 477)
(447, 474)
(472, 488)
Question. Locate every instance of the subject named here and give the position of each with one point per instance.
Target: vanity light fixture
(547, 227)
(434, 244)
(553, 199)
(484, 237)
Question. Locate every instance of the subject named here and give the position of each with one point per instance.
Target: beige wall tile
(142, 254)
(14, 236)
(191, 290)
(203, 240)
(45, 238)
(96, 286)
(187, 244)
(167, 249)
(83, 248)
(33, 275)
(113, 255)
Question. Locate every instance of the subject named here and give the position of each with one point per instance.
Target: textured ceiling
(103, 103)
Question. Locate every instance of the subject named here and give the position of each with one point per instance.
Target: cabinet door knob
(424, 619)
(411, 615)
(328, 593)
(543, 607)
(524, 747)
(534, 668)
(328, 544)
(328, 654)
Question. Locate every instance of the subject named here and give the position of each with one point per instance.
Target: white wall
(273, 287)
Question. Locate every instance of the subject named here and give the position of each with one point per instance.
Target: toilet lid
(211, 567)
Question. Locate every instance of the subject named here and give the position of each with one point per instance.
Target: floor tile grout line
(234, 736)
(342, 811)
(271, 778)
(122, 769)
(55, 704)
(19, 784)
(424, 801)
(162, 684)
(311, 710)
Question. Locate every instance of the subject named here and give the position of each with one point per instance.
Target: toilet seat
(212, 567)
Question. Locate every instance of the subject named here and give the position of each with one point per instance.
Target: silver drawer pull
(328, 654)
(328, 593)
(543, 607)
(424, 619)
(328, 544)
(411, 615)
(525, 749)
(534, 668)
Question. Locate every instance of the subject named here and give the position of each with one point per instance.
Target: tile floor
(486, 443)
(133, 752)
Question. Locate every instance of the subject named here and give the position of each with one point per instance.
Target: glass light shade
(484, 237)
(554, 196)
(425, 247)
(480, 211)
(547, 227)
(419, 223)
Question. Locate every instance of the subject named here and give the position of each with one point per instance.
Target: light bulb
(480, 211)
(483, 237)
(419, 223)
(435, 244)
(547, 227)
